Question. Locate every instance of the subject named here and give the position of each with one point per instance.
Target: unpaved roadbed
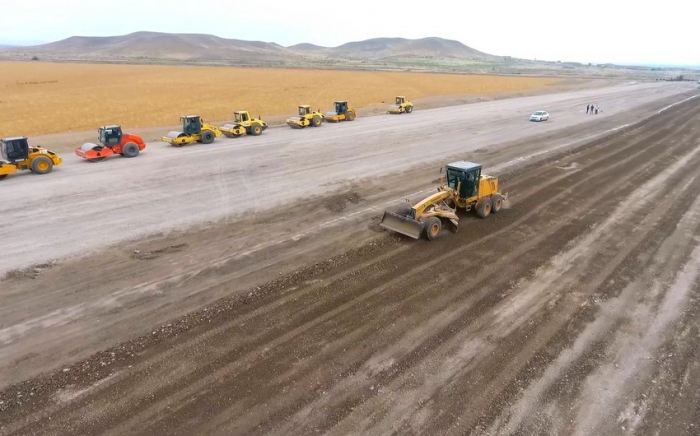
(576, 311)
(88, 206)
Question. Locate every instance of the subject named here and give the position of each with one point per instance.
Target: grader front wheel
(433, 226)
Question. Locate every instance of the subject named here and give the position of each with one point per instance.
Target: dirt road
(86, 206)
(575, 311)
(55, 315)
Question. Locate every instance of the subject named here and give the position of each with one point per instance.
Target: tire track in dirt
(592, 175)
(117, 299)
(666, 237)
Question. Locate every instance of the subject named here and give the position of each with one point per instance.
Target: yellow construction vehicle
(18, 155)
(243, 124)
(194, 129)
(342, 112)
(307, 117)
(402, 106)
(461, 187)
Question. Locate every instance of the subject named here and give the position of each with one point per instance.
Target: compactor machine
(243, 124)
(307, 117)
(402, 106)
(194, 129)
(112, 141)
(461, 187)
(18, 155)
(342, 112)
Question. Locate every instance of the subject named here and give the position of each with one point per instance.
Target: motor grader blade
(402, 224)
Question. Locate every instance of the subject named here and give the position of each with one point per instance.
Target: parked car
(539, 116)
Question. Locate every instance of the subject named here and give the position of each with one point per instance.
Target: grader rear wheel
(483, 208)
(496, 203)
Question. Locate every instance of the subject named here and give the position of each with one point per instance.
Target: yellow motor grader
(16, 154)
(461, 187)
(402, 106)
(307, 117)
(243, 124)
(194, 129)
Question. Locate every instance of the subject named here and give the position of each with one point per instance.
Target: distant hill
(153, 45)
(307, 47)
(389, 48)
(196, 47)
(394, 54)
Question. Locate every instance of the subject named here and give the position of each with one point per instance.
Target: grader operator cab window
(341, 107)
(110, 135)
(15, 149)
(191, 125)
(399, 100)
(303, 110)
(469, 179)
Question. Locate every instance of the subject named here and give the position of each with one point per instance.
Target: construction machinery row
(462, 186)
(112, 141)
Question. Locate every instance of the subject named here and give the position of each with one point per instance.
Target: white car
(539, 116)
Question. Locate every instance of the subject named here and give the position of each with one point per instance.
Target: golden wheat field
(39, 97)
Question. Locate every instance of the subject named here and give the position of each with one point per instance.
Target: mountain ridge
(196, 46)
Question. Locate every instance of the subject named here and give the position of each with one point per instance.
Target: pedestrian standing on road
(596, 110)
(588, 108)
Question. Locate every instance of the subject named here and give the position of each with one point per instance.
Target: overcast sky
(621, 31)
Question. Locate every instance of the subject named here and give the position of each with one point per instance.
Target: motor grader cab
(18, 155)
(462, 186)
(402, 106)
(307, 117)
(343, 112)
(112, 141)
(243, 123)
(194, 129)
